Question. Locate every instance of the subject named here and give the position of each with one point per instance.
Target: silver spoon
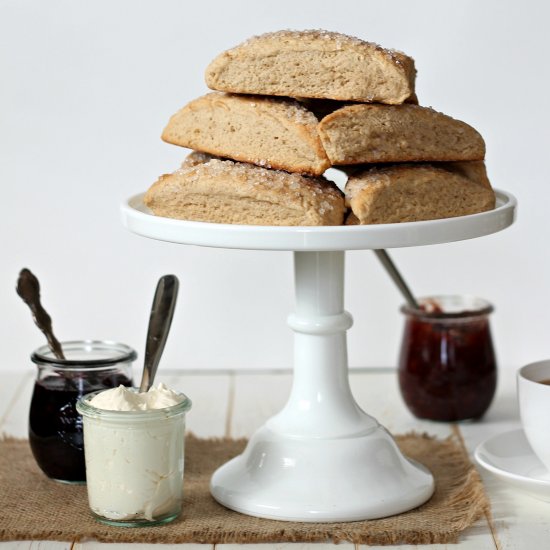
(393, 272)
(28, 288)
(162, 311)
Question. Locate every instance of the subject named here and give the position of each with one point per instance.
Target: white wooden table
(232, 403)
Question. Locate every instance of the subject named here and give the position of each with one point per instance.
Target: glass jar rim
(472, 306)
(44, 355)
(86, 409)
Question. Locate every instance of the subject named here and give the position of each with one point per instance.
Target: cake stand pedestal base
(322, 458)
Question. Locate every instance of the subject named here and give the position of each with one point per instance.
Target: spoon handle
(393, 272)
(162, 312)
(28, 289)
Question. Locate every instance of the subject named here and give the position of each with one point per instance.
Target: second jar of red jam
(447, 366)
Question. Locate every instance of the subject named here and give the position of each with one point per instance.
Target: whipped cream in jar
(134, 453)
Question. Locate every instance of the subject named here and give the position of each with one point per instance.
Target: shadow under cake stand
(322, 458)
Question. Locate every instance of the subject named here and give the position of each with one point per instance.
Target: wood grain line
(455, 428)
(230, 405)
(13, 400)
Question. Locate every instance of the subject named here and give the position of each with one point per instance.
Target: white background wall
(85, 90)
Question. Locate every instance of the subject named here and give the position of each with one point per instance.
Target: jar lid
(449, 307)
(86, 354)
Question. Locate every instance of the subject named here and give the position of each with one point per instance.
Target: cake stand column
(322, 458)
(321, 403)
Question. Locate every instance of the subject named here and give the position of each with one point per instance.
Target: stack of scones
(289, 105)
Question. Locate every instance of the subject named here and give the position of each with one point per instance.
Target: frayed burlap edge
(205, 521)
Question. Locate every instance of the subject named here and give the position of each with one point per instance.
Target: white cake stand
(321, 458)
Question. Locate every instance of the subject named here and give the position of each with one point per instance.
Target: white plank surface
(93, 545)
(36, 545)
(14, 402)
(257, 397)
(8, 392)
(377, 393)
(210, 401)
(236, 404)
(520, 521)
(289, 546)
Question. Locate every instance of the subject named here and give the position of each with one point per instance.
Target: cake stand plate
(322, 458)
(137, 218)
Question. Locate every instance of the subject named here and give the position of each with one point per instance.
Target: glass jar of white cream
(134, 452)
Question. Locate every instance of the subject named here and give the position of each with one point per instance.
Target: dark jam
(55, 427)
(447, 367)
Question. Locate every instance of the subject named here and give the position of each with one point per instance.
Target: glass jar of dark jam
(447, 365)
(55, 427)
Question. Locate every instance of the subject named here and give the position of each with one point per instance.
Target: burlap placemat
(34, 508)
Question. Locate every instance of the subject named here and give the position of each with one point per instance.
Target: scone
(358, 134)
(194, 158)
(314, 64)
(270, 132)
(415, 192)
(223, 191)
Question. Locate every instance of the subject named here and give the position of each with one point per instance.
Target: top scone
(314, 64)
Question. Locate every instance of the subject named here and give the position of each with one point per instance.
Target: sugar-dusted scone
(414, 192)
(314, 64)
(474, 171)
(351, 219)
(194, 158)
(271, 132)
(358, 134)
(223, 191)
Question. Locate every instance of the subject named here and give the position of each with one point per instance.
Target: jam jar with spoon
(447, 366)
(55, 427)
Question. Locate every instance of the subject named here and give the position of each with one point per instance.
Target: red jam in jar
(447, 367)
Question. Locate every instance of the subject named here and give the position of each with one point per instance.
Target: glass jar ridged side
(55, 427)
(447, 365)
(134, 463)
